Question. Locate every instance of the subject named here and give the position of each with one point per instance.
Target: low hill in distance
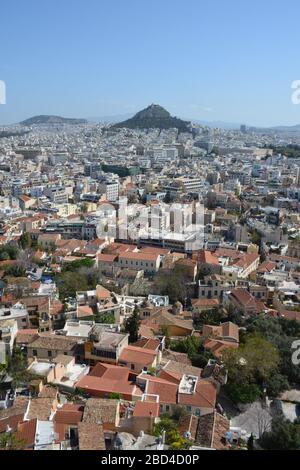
(45, 120)
(154, 117)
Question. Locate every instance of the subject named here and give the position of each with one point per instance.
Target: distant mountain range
(46, 119)
(154, 117)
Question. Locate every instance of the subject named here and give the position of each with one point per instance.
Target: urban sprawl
(149, 287)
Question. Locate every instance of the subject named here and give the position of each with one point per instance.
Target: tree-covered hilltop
(154, 117)
(46, 119)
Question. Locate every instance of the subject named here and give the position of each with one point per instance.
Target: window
(34, 352)
(49, 353)
(104, 353)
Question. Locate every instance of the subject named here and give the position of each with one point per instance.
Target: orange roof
(68, 416)
(97, 385)
(217, 346)
(138, 355)
(84, 311)
(205, 302)
(146, 409)
(204, 396)
(106, 258)
(102, 292)
(206, 257)
(142, 256)
(166, 390)
(26, 432)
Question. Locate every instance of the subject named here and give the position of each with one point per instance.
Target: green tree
(4, 256)
(132, 325)
(243, 392)
(11, 442)
(284, 435)
(250, 443)
(68, 283)
(174, 284)
(249, 367)
(106, 318)
(173, 438)
(25, 240)
(14, 271)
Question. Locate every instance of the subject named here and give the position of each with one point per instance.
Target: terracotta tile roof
(213, 303)
(26, 432)
(154, 250)
(243, 296)
(146, 332)
(139, 256)
(101, 411)
(180, 368)
(146, 409)
(103, 293)
(227, 329)
(53, 343)
(102, 257)
(119, 248)
(84, 311)
(97, 385)
(40, 408)
(48, 392)
(246, 260)
(217, 346)
(176, 356)
(26, 336)
(138, 355)
(188, 423)
(211, 432)
(19, 407)
(170, 376)
(68, 417)
(91, 436)
(204, 395)
(165, 318)
(11, 422)
(228, 253)
(206, 257)
(288, 314)
(166, 390)
(266, 267)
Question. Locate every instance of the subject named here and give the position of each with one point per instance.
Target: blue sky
(219, 60)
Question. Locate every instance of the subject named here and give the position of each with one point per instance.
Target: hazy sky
(218, 60)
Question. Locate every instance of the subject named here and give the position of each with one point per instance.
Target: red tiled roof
(146, 409)
(138, 355)
(26, 432)
(11, 422)
(166, 390)
(206, 257)
(68, 417)
(204, 396)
